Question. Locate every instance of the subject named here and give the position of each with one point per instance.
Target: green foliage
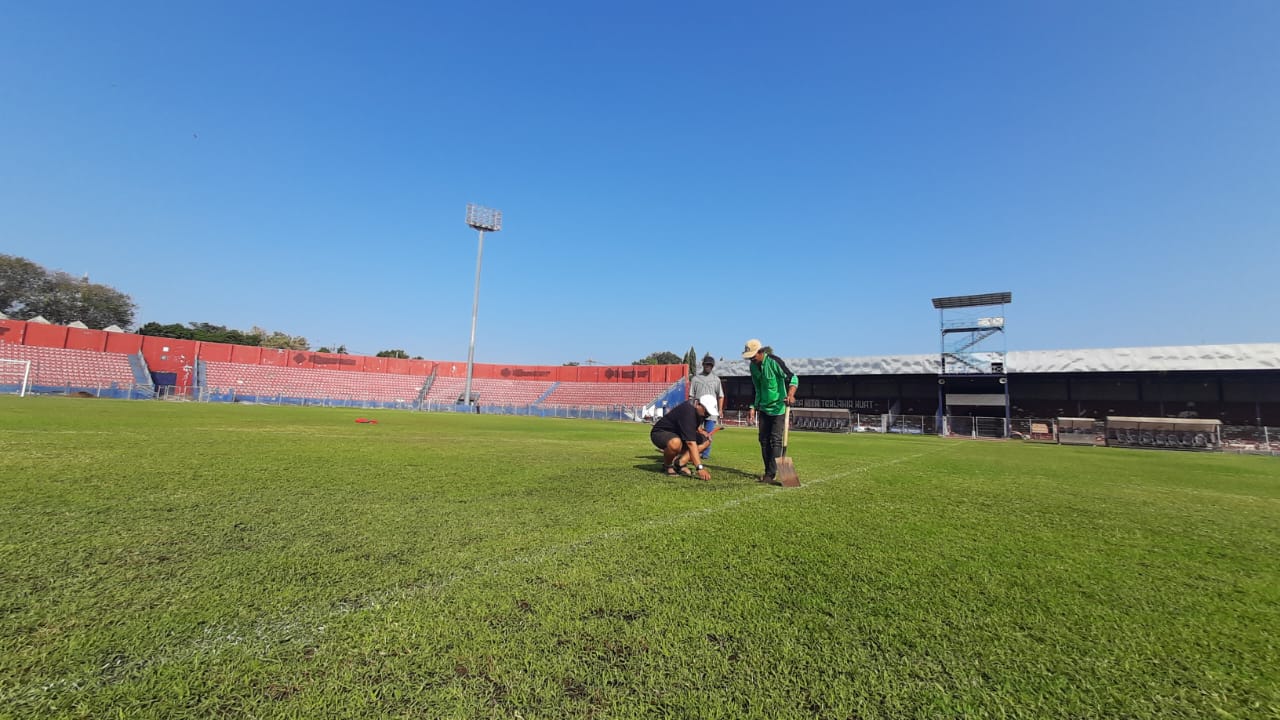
(204, 332)
(28, 290)
(294, 563)
(19, 280)
(664, 357)
(691, 359)
(174, 330)
(207, 332)
(393, 354)
(280, 341)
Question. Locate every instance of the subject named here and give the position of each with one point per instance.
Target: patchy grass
(163, 560)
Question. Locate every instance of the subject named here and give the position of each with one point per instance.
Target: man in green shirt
(775, 387)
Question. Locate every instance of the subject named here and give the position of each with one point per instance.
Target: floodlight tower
(482, 220)
(973, 348)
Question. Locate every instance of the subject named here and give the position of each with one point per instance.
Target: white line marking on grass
(42, 432)
(1144, 489)
(307, 624)
(778, 492)
(288, 432)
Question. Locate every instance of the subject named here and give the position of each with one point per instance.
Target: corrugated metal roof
(1174, 358)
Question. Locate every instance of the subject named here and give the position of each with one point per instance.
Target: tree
(691, 359)
(204, 332)
(664, 357)
(209, 332)
(28, 290)
(255, 337)
(172, 330)
(19, 279)
(102, 306)
(280, 341)
(63, 299)
(393, 354)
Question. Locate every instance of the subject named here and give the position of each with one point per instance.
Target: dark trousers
(771, 430)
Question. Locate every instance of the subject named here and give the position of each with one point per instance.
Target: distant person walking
(708, 383)
(775, 386)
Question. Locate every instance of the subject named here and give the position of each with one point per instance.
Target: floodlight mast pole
(480, 219)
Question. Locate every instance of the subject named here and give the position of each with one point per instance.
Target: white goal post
(15, 377)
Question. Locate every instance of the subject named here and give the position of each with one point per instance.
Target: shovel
(786, 468)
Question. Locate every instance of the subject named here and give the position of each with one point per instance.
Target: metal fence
(974, 427)
(586, 412)
(858, 423)
(1250, 439)
(1235, 438)
(120, 391)
(1245, 439)
(577, 412)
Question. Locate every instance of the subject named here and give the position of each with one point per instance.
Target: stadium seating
(597, 394)
(63, 370)
(266, 381)
(310, 384)
(447, 391)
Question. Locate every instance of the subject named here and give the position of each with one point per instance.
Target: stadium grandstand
(40, 358)
(1238, 385)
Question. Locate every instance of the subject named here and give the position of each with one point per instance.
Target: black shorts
(660, 438)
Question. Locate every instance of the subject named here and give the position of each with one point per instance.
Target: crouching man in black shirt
(680, 437)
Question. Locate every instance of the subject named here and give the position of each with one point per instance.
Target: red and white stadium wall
(567, 373)
(13, 331)
(167, 355)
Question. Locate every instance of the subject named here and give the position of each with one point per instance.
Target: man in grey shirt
(708, 383)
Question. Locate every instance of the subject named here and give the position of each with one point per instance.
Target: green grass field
(164, 560)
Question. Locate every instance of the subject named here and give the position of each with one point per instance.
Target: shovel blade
(787, 473)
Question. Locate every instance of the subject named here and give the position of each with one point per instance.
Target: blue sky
(671, 174)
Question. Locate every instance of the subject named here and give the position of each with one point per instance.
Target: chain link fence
(119, 391)
(1244, 439)
(1251, 440)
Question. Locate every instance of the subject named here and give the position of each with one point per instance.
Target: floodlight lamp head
(483, 219)
(963, 301)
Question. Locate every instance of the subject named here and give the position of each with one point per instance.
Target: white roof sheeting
(1136, 422)
(1175, 358)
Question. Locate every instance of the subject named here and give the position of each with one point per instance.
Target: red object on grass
(367, 420)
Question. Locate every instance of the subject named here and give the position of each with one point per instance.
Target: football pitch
(170, 560)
